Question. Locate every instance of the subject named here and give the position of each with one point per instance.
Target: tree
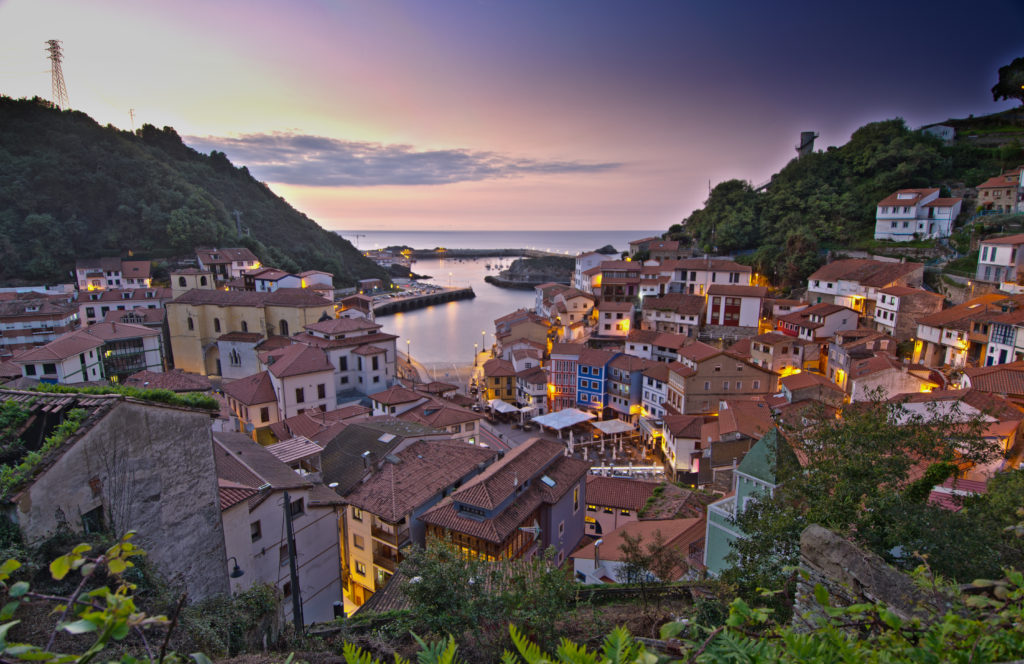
(1011, 81)
(656, 563)
(856, 477)
(460, 596)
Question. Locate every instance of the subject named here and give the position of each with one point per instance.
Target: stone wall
(852, 575)
(150, 468)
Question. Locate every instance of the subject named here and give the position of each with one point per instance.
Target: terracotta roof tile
(298, 360)
(864, 271)
(627, 494)
(252, 390)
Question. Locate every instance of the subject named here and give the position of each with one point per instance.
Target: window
(624, 512)
(725, 386)
(357, 514)
(92, 521)
(375, 363)
(300, 395)
(30, 370)
(282, 554)
(191, 324)
(265, 414)
(576, 499)
(609, 510)
(342, 364)
(50, 369)
(561, 528)
(297, 507)
(757, 384)
(284, 327)
(245, 326)
(234, 358)
(181, 282)
(591, 508)
(202, 281)
(360, 569)
(321, 391)
(255, 531)
(707, 385)
(358, 542)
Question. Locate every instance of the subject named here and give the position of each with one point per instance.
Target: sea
(444, 337)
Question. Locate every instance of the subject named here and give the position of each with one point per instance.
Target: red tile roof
(396, 395)
(679, 303)
(410, 478)
(619, 492)
(735, 290)
(252, 390)
(1005, 240)
(298, 360)
(864, 271)
(918, 194)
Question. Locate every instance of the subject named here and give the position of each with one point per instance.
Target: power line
(60, 91)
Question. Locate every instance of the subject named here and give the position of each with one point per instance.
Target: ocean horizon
(562, 242)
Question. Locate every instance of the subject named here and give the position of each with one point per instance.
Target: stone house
(898, 309)
(131, 465)
(1003, 193)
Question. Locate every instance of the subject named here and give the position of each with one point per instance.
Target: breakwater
(394, 305)
(521, 285)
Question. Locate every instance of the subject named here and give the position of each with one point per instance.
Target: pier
(480, 253)
(393, 305)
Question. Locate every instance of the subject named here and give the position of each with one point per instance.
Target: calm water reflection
(443, 335)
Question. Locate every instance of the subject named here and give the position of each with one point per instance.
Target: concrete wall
(151, 469)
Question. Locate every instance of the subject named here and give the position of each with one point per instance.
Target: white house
(696, 275)
(855, 282)
(910, 214)
(999, 260)
(302, 378)
(602, 561)
(252, 485)
(735, 306)
(104, 351)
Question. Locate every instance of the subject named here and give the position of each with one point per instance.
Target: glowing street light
(408, 352)
(476, 351)
(483, 341)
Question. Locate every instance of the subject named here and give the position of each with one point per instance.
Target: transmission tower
(60, 92)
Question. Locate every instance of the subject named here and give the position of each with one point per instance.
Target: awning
(499, 406)
(563, 419)
(610, 427)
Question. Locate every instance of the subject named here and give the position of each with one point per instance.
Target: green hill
(828, 198)
(70, 188)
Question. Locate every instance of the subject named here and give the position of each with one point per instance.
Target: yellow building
(197, 318)
(500, 380)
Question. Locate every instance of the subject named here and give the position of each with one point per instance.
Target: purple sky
(532, 114)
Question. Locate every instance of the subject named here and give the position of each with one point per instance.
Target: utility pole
(300, 625)
(59, 91)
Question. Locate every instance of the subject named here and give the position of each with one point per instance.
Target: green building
(756, 475)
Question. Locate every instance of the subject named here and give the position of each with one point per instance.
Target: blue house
(592, 380)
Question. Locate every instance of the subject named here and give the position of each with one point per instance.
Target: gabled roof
(282, 297)
(298, 360)
(294, 449)
(175, 380)
(499, 481)
(1005, 240)
(915, 197)
(711, 264)
(961, 315)
(564, 348)
(595, 358)
(409, 479)
(805, 379)
(698, 351)
(396, 395)
(679, 303)
(619, 492)
(342, 325)
(999, 379)
(864, 271)
(684, 426)
(72, 343)
(496, 367)
(252, 390)
(225, 255)
(135, 269)
(240, 459)
(311, 423)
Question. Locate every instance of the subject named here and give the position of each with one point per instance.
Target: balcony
(391, 535)
(386, 558)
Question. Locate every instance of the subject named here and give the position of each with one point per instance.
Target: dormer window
(150, 294)
(94, 296)
(32, 308)
(126, 296)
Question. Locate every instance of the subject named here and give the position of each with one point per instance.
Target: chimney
(597, 551)
(369, 461)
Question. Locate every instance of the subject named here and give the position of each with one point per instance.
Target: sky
(510, 114)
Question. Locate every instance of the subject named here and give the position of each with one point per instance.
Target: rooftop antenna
(60, 92)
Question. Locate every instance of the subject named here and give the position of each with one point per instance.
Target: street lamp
(475, 353)
(483, 341)
(408, 352)
(236, 571)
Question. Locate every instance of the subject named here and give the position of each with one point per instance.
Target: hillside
(71, 188)
(828, 198)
